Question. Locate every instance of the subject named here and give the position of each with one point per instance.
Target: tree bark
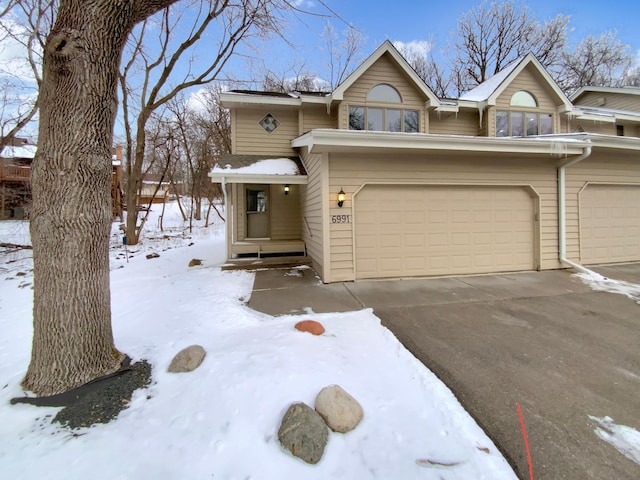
(71, 177)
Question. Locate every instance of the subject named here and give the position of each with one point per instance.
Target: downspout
(228, 218)
(562, 218)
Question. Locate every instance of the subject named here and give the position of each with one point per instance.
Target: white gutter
(562, 218)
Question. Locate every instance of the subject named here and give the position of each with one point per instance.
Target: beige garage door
(610, 224)
(403, 231)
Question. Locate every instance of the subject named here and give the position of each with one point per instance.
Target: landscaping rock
(339, 409)
(187, 359)
(194, 262)
(303, 433)
(152, 255)
(310, 326)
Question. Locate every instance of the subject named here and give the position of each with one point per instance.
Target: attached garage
(421, 230)
(610, 223)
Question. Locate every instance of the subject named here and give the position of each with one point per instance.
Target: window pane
(546, 124)
(532, 123)
(516, 124)
(523, 99)
(256, 201)
(384, 93)
(411, 121)
(356, 118)
(393, 120)
(502, 124)
(374, 119)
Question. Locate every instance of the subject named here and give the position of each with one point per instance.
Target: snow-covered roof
(240, 168)
(483, 91)
(23, 151)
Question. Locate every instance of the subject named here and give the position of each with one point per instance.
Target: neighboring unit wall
(604, 128)
(252, 139)
(311, 205)
(315, 116)
(600, 168)
(385, 71)
(610, 100)
(450, 123)
(352, 172)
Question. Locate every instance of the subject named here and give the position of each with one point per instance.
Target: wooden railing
(12, 173)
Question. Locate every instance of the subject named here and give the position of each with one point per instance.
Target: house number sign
(340, 218)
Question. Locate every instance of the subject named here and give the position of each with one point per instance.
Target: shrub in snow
(339, 409)
(303, 432)
(187, 359)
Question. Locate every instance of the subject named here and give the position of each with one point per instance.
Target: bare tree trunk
(71, 180)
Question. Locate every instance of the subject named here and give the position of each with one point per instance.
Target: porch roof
(258, 169)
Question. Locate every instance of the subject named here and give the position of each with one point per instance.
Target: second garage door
(409, 230)
(610, 223)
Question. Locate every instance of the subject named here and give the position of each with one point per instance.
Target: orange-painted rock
(310, 326)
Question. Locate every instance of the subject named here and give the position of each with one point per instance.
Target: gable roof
(489, 90)
(386, 47)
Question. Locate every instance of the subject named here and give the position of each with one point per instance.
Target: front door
(257, 211)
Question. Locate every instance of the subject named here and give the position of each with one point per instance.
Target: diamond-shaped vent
(269, 123)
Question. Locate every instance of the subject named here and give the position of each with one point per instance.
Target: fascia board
(257, 178)
(334, 140)
(614, 142)
(229, 100)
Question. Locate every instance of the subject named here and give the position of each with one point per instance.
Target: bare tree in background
(492, 35)
(601, 61)
(420, 56)
(161, 79)
(23, 24)
(295, 78)
(343, 52)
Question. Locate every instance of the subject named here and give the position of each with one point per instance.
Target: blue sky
(414, 21)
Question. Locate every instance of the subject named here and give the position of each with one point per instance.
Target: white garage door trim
(582, 221)
(535, 197)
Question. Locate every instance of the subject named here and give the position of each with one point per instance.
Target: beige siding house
(380, 178)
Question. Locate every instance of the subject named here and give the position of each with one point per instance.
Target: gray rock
(339, 409)
(303, 433)
(187, 359)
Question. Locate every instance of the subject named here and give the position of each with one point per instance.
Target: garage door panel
(610, 224)
(443, 230)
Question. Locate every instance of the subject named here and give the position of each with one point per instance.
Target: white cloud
(418, 48)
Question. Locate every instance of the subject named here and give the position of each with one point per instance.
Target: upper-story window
(517, 122)
(384, 93)
(523, 99)
(380, 118)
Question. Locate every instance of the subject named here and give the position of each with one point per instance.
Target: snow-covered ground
(221, 421)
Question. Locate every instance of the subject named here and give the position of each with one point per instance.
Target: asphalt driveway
(542, 339)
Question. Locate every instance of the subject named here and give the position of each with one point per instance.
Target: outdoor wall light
(341, 198)
(286, 189)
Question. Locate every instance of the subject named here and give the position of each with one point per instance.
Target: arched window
(523, 99)
(384, 93)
